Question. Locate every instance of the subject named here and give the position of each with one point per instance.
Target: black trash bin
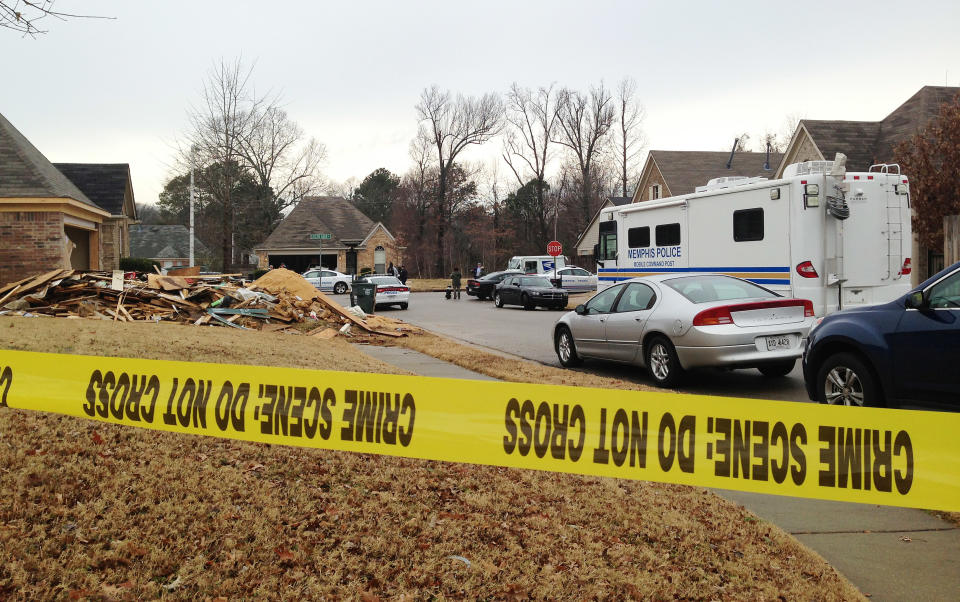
(364, 294)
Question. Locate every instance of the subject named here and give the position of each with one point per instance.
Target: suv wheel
(662, 362)
(498, 300)
(844, 379)
(340, 288)
(566, 348)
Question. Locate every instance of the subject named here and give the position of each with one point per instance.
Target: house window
(654, 192)
(668, 235)
(638, 237)
(380, 260)
(748, 225)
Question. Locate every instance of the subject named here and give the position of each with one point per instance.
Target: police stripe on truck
(758, 275)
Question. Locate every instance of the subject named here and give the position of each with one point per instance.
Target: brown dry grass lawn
(97, 511)
(424, 285)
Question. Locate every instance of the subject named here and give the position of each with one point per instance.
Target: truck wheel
(844, 379)
(566, 348)
(340, 288)
(498, 300)
(526, 303)
(662, 362)
(777, 369)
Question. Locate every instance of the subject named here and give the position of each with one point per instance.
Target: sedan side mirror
(915, 300)
(581, 309)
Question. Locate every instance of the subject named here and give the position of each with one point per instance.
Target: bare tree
(451, 125)
(627, 138)
(27, 17)
(274, 148)
(583, 125)
(246, 141)
(532, 118)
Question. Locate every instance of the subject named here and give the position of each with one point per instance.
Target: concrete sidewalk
(888, 553)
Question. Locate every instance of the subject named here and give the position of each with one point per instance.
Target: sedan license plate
(777, 343)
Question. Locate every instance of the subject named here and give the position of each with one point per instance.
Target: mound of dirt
(281, 280)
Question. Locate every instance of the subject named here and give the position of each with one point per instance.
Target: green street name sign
(319, 237)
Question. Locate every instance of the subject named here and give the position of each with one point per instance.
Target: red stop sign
(554, 248)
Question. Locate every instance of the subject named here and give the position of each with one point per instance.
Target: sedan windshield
(704, 289)
(537, 281)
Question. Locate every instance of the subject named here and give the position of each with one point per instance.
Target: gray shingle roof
(104, 183)
(156, 241)
(620, 200)
(319, 215)
(856, 139)
(683, 171)
(26, 173)
(866, 143)
(912, 116)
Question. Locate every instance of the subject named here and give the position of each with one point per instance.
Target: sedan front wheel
(566, 348)
(498, 300)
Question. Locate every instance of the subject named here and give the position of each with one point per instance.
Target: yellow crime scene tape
(877, 456)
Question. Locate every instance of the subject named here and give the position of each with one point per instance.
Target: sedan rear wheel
(566, 348)
(498, 300)
(663, 363)
(844, 379)
(777, 369)
(340, 288)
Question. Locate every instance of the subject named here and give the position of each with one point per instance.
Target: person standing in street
(455, 278)
(403, 275)
(479, 271)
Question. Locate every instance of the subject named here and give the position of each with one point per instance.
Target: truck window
(668, 235)
(638, 237)
(530, 267)
(608, 240)
(748, 225)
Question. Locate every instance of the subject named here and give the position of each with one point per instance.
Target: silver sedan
(670, 323)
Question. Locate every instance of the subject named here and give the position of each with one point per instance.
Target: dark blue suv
(903, 352)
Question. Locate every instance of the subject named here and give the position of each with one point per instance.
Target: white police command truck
(821, 233)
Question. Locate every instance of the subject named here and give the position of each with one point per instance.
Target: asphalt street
(527, 334)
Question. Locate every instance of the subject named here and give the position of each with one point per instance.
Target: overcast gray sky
(351, 72)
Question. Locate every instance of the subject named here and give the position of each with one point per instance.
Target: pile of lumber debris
(277, 301)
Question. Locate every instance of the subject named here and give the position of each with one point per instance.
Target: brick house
(46, 222)
(355, 242)
(110, 187)
(867, 143)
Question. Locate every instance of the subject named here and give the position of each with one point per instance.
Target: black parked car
(530, 292)
(903, 352)
(483, 287)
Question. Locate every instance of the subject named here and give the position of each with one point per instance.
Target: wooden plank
(178, 300)
(191, 271)
(8, 295)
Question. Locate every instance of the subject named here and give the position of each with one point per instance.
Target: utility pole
(192, 263)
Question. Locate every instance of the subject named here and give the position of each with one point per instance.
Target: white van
(837, 238)
(536, 264)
